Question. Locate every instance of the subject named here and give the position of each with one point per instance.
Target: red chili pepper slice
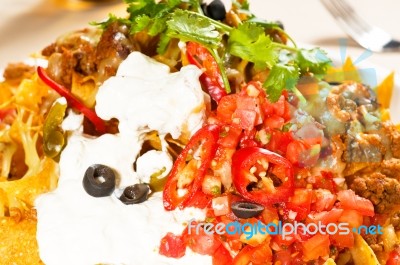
(211, 78)
(242, 162)
(202, 144)
(72, 100)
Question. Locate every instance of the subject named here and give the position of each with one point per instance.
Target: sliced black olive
(99, 180)
(135, 193)
(216, 10)
(246, 209)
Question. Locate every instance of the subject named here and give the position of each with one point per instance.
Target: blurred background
(26, 26)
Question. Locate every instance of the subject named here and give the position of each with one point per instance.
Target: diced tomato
(342, 240)
(226, 108)
(247, 139)
(294, 152)
(269, 215)
(229, 136)
(262, 254)
(283, 243)
(279, 106)
(394, 257)
(325, 217)
(172, 246)
(245, 118)
(325, 181)
(201, 242)
(294, 212)
(279, 141)
(243, 257)
(302, 198)
(349, 200)
(351, 217)
(315, 247)
(283, 257)
(324, 200)
(200, 200)
(221, 205)
(274, 122)
(253, 104)
(222, 256)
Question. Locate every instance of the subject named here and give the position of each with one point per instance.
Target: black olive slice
(216, 10)
(99, 180)
(135, 193)
(246, 209)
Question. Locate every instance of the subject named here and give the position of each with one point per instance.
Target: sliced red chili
(202, 144)
(72, 100)
(242, 163)
(211, 78)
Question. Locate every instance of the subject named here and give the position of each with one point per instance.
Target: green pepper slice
(53, 135)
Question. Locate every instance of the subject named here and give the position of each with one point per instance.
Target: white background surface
(26, 26)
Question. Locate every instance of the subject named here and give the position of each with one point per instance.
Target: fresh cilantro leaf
(159, 25)
(111, 19)
(281, 76)
(243, 5)
(264, 23)
(189, 26)
(250, 43)
(315, 61)
(141, 23)
(163, 43)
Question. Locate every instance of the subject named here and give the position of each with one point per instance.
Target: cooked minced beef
(89, 52)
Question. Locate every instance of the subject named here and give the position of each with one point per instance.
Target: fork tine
(351, 25)
(351, 14)
(367, 35)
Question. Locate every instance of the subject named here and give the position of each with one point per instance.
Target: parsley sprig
(184, 20)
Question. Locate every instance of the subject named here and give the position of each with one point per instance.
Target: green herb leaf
(315, 61)
(280, 77)
(189, 26)
(163, 43)
(250, 43)
(111, 19)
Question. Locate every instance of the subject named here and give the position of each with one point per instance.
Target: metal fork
(368, 36)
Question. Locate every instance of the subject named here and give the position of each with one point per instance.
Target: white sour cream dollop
(75, 228)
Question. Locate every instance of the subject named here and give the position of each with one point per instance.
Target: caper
(99, 180)
(136, 193)
(246, 209)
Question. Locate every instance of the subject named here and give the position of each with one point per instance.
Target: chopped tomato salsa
(248, 153)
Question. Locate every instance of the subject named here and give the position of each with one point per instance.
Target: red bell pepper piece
(242, 162)
(204, 144)
(72, 100)
(211, 77)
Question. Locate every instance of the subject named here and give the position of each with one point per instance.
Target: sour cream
(75, 228)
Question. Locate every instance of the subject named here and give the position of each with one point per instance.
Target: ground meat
(383, 191)
(363, 148)
(14, 73)
(395, 220)
(73, 52)
(374, 241)
(394, 138)
(114, 46)
(391, 168)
